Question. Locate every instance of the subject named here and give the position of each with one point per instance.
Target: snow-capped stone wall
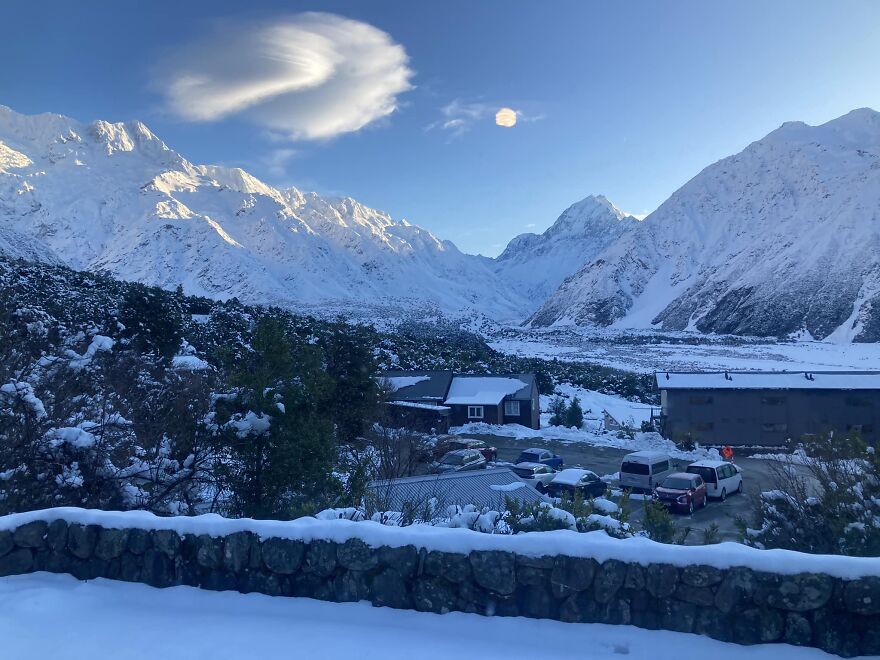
(740, 598)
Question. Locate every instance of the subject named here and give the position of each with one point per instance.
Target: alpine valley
(782, 238)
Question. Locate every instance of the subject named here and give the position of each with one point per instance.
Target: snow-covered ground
(627, 413)
(648, 351)
(59, 617)
(637, 442)
(593, 432)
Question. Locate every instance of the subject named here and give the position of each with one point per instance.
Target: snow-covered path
(59, 617)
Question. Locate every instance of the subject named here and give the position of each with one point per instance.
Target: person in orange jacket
(727, 453)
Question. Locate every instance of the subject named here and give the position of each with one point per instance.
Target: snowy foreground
(57, 616)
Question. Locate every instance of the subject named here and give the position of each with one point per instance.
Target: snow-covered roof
(769, 380)
(482, 390)
(571, 476)
(419, 406)
(399, 382)
(418, 386)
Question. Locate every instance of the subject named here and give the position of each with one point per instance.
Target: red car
(682, 491)
(489, 453)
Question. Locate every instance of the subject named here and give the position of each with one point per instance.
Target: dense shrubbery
(118, 395)
(114, 396)
(826, 500)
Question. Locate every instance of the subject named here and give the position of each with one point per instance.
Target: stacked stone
(738, 605)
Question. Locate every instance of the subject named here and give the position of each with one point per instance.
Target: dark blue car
(535, 455)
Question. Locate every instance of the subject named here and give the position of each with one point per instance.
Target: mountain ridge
(778, 239)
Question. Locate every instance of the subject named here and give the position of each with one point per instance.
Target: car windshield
(707, 473)
(678, 483)
(525, 473)
(529, 456)
(453, 459)
(635, 468)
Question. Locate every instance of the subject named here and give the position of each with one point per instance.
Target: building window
(701, 400)
(858, 402)
(511, 408)
(772, 400)
(860, 428)
(704, 426)
(774, 427)
(475, 412)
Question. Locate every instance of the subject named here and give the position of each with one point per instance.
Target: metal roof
(769, 380)
(461, 488)
(427, 387)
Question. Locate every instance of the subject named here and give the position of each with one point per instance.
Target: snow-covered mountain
(115, 197)
(780, 238)
(536, 264)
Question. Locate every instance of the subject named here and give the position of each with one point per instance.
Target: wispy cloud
(276, 161)
(459, 116)
(307, 76)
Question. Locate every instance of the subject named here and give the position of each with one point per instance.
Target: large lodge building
(768, 408)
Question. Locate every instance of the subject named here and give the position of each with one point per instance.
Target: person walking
(727, 453)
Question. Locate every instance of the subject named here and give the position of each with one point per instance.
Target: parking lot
(757, 476)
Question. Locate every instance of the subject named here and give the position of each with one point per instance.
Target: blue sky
(393, 102)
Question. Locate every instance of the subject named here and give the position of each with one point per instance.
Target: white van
(643, 470)
(722, 478)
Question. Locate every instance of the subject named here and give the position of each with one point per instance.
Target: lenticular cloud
(309, 76)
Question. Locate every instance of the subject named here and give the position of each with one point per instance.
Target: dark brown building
(426, 400)
(768, 408)
(415, 399)
(512, 399)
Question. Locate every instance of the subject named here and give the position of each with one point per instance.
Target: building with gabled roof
(438, 399)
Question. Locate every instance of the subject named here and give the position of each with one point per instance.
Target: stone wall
(741, 605)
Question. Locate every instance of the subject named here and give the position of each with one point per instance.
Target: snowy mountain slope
(780, 238)
(115, 197)
(20, 246)
(537, 264)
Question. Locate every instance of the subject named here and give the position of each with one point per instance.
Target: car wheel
(705, 502)
(723, 494)
(691, 507)
(540, 487)
(739, 489)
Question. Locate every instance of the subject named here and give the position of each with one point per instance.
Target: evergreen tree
(574, 416)
(558, 411)
(351, 366)
(152, 318)
(278, 432)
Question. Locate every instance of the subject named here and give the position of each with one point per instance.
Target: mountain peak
(858, 128)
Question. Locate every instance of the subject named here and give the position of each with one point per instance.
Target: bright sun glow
(505, 117)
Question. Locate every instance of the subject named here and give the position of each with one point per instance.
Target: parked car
(537, 475)
(537, 455)
(461, 460)
(682, 491)
(489, 453)
(568, 482)
(643, 470)
(722, 478)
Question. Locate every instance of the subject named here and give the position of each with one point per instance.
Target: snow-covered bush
(826, 499)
